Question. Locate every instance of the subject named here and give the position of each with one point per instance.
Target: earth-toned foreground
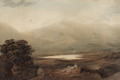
(93, 66)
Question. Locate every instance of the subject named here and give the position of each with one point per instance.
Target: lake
(65, 57)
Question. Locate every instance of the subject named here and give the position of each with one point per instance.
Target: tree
(19, 54)
(17, 51)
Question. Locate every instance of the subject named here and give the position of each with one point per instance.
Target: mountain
(69, 37)
(7, 32)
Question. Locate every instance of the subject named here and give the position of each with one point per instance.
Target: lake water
(65, 57)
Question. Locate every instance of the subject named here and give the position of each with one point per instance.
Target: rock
(109, 70)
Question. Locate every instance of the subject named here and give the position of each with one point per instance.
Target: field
(93, 66)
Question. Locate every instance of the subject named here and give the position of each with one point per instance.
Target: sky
(26, 15)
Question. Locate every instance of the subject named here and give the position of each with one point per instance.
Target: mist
(54, 26)
(41, 13)
(7, 32)
(66, 37)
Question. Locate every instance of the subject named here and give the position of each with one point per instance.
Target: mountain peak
(7, 32)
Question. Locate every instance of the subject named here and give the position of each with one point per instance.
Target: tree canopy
(17, 51)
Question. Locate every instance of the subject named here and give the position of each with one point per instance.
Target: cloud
(18, 3)
(116, 6)
(39, 13)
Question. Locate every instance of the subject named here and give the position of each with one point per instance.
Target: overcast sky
(25, 15)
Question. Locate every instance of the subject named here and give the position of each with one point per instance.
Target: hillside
(7, 32)
(69, 37)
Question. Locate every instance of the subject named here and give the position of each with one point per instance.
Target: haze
(26, 15)
(62, 26)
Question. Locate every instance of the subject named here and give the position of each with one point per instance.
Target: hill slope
(70, 37)
(7, 32)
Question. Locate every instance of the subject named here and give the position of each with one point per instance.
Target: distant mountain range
(68, 37)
